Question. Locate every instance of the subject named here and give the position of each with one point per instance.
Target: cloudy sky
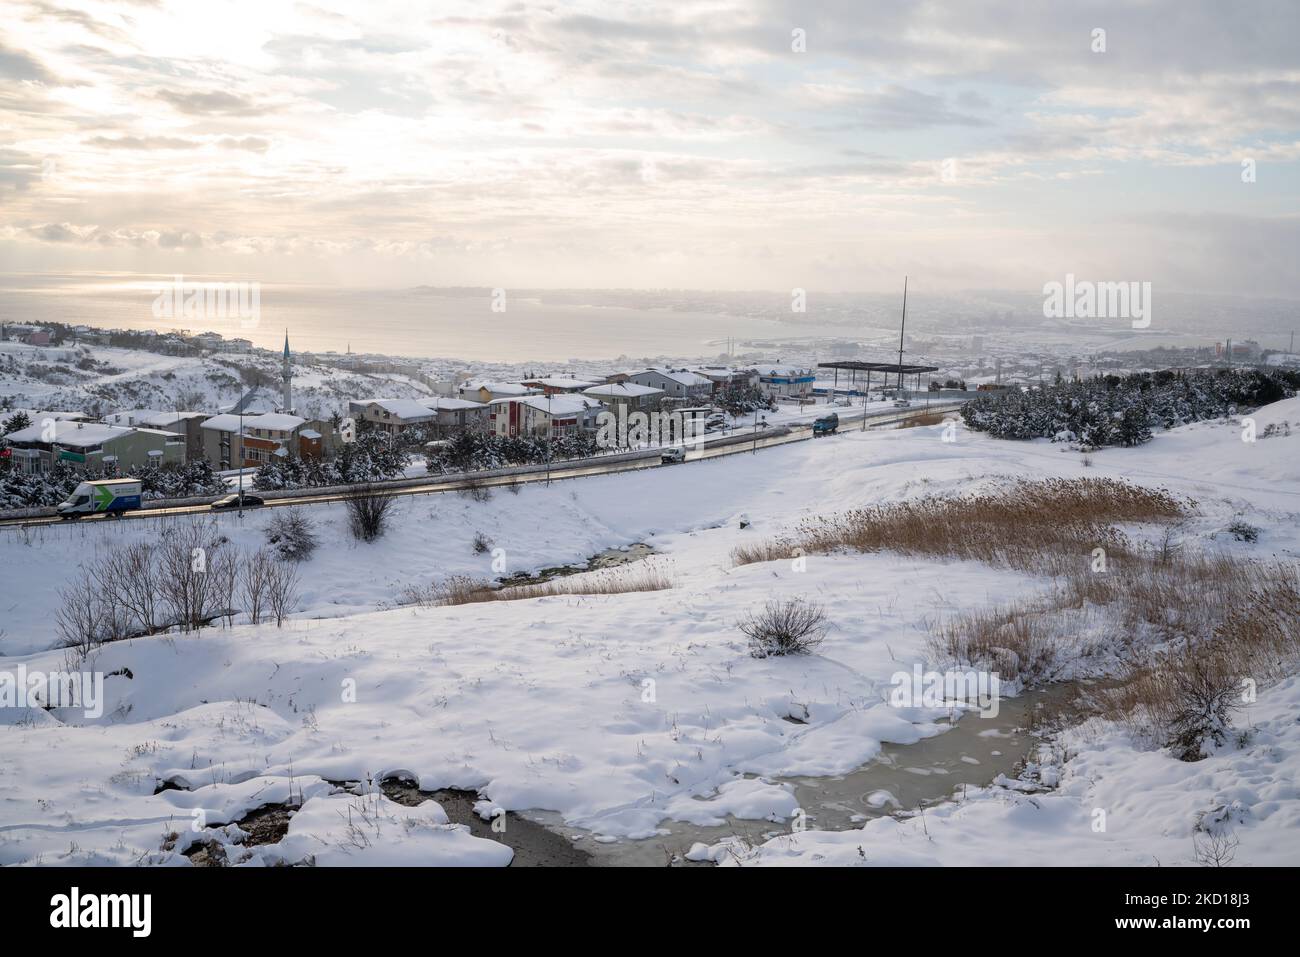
(759, 144)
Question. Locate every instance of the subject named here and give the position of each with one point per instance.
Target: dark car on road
(232, 501)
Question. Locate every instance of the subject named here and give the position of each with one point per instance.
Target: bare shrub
(253, 574)
(476, 490)
(281, 590)
(290, 533)
(794, 627)
(923, 418)
(482, 543)
(1214, 848)
(1243, 531)
(368, 511)
(1181, 700)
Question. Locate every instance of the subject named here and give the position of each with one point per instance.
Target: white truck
(111, 496)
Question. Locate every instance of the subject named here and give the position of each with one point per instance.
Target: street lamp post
(241, 454)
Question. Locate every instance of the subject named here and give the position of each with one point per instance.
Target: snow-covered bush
(1110, 410)
(471, 451)
(290, 533)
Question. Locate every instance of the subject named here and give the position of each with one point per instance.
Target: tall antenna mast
(901, 327)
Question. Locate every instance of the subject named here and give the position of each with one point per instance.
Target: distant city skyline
(767, 144)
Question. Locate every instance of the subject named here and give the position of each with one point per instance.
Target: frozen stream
(901, 778)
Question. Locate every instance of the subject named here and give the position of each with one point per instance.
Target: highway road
(850, 420)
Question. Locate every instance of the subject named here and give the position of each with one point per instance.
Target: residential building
(185, 424)
(543, 416)
(675, 383)
(91, 446)
(393, 416)
(485, 391)
(456, 415)
(633, 395)
(265, 436)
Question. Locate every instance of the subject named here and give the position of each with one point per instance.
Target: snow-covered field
(621, 711)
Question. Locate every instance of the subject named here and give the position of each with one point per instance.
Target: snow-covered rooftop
(129, 416)
(442, 403)
(630, 389)
(72, 434)
(562, 382)
(275, 421)
(497, 388)
(688, 379)
(403, 408)
(564, 404)
(36, 415)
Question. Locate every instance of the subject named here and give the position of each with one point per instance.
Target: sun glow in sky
(650, 145)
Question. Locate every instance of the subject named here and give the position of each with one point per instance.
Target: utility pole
(901, 327)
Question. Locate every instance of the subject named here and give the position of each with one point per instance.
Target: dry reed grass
(463, 590)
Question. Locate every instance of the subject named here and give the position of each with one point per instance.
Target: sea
(475, 326)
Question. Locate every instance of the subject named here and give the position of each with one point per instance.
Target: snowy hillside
(99, 380)
(626, 714)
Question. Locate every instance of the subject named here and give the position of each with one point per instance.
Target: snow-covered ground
(619, 712)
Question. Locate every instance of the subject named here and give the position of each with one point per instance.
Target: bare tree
(253, 575)
(224, 570)
(137, 583)
(281, 590)
(189, 589)
(77, 617)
